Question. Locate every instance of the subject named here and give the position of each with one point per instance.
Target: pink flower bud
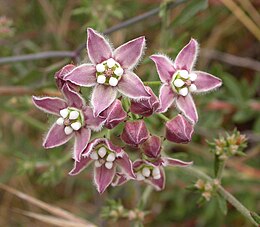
(179, 130)
(135, 133)
(152, 147)
(145, 107)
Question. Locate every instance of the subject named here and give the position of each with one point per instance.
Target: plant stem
(144, 197)
(220, 170)
(108, 134)
(152, 82)
(163, 117)
(193, 171)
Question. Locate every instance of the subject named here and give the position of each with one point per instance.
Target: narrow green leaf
(222, 203)
(190, 11)
(256, 217)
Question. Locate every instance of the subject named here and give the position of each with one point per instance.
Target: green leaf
(255, 216)
(233, 87)
(190, 11)
(222, 203)
(217, 164)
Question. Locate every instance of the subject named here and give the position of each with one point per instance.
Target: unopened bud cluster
(207, 189)
(230, 145)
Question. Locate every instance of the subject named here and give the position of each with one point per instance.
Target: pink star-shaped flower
(179, 81)
(75, 119)
(110, 71)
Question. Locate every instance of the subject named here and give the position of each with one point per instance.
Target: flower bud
(179, 130)
(135, 133)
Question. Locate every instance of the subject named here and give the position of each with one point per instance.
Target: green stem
(145, 197)
(152, 82)
(226, 195)
(108, 134)
(220, 170)
(163, 117)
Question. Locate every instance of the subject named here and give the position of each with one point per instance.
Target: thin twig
(230, 198)
(76, 53)
(242, 17)
(231, 59)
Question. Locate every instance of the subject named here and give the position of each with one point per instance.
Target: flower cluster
(120, 96)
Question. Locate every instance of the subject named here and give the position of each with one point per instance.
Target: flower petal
(120, 179)
(98, 47)
(175, 162)
(114, 114)
(128, 54)
(74, 99)
(131, 86)
(81, 165)
(103, 177)
(126, 165)
(179, 130)
(135, 133)
(187, 107)
(158, 184)
(166, 98)
(145, 107)
(164, 66)
(152, 147)
(187, 56)
(59, 76)
(118, 150)
(50, 105)
(102, 97)
(82, 138)
(94, 123)
(83, 75)
(56, 137)
(206, 82)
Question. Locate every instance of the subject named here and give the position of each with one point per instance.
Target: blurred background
(228, 32)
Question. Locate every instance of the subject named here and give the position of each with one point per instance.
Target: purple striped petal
(103, 177)
(164, 66)
(83, 75)
(135, 133)
(158, 184)
(102, 97)
(94, 123)
(175, 162)
(131, 86)
(50, 105)
(74, 99)
(118, 150)
(187, 56)
(126, 165)
(59, 76)
(120, 179)
(81, 165)
(130, 53)
(56, 137)
(166, 98)
(114, 114)
(206, 82)
(98, 47)
(179, 130)
(187, 107)
(145, 107)
(82, 138)
(152, 147)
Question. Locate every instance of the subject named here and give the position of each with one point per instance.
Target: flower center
(103, 156)
(147, 171)
(183, 82)
(71, 118)
(109, 72)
